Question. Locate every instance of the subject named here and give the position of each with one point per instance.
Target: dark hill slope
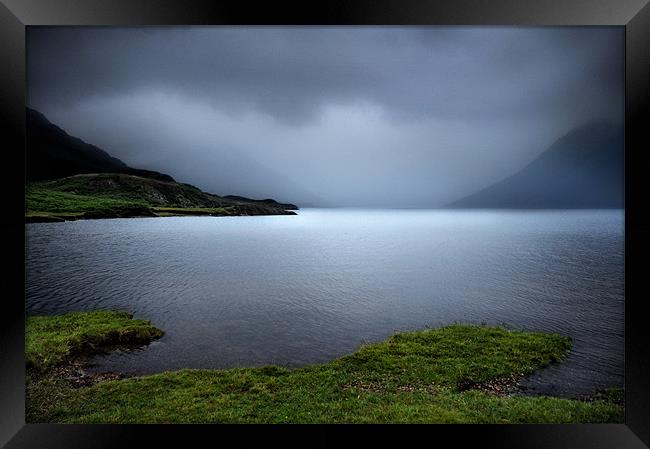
(52, 153)
(69, 179)
(266, 202)
(583, 169)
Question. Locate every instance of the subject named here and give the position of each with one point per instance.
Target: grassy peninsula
(114, 195)
(452, 374)
(52, 340)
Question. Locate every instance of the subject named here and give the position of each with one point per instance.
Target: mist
(327, 116)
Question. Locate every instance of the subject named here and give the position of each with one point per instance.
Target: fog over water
(327, 116)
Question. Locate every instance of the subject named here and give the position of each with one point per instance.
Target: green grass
(73, 199)
(50, 340)
(44, 203)
(45, 199)
(410, 377)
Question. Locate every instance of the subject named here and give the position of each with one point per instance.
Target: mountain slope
(52, 153)
(69, 179)
(583, 169)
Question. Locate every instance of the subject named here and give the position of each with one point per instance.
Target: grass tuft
(50, 340)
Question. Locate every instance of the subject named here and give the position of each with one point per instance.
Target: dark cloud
(372, 116)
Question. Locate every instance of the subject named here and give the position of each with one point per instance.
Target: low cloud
(398, 117)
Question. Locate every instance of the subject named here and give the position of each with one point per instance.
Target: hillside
(583, 169)
(52, 153)
(266, 202)
(107, 195)
(69, 179)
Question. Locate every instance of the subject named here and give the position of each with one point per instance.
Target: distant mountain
(52, 153)
(583, 169)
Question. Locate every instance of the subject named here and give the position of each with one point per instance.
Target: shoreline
(50, 217)
(119, 195)
(457, 373)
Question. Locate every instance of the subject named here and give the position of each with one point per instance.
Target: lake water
(296, 290)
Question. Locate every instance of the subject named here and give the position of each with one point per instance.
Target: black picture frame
(634, 15)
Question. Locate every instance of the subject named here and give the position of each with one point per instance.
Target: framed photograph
(359, 212)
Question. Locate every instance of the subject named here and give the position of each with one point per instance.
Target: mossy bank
(430, 376)
(118, 195)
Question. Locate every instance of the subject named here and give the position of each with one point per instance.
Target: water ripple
(248, 291)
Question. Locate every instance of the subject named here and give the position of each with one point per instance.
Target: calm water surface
(296, 290)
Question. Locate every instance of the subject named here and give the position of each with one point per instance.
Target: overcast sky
(331, 116)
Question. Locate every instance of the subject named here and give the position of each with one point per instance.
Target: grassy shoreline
(433, 376)
(111, 195)
(126, 212)
(54, 340)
